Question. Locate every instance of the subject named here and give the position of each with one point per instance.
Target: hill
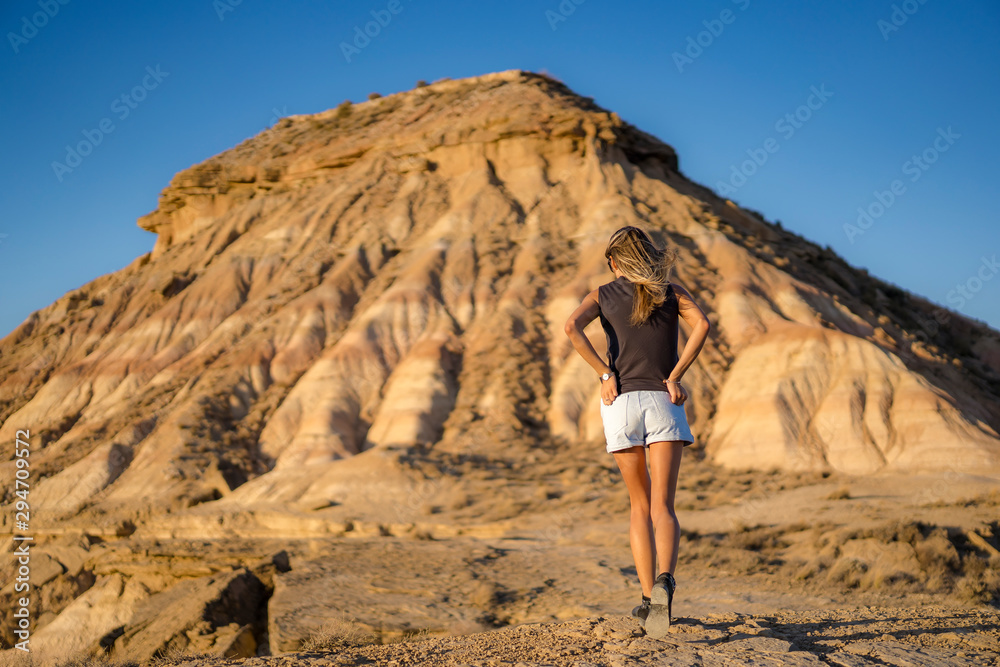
(354, 320)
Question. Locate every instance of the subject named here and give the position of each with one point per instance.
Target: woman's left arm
(584, 314)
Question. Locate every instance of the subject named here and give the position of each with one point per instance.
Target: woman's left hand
(677, 392)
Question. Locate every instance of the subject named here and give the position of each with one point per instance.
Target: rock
(78, 629)
(847, 660)
(852, 399)
(907, 655)
(738, 643)
(267, 568)
(189, 615)
(233, 641)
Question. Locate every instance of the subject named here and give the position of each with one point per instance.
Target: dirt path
(869, 636)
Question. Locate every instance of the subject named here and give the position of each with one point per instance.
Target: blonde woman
(642, 400)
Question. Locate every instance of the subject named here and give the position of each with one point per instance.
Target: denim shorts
(641, 417)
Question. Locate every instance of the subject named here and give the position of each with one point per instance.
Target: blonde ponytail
(645, 266)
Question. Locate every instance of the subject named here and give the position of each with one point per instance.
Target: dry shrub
(981, 581)
(173, 655)
(339, 633)
(423, 634)
(746, 550)
(745, 562)
(899, 557)
(948, 561)
(85, 661)
(756, 538)
(848, 571)
(938, 559)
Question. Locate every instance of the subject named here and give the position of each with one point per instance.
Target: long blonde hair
(645, 266)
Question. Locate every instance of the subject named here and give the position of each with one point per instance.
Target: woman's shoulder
(678, 289)
(617, 283)
(615, 290)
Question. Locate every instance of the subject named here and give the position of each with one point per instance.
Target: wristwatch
(606, 376)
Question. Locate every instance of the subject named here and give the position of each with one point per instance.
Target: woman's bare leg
(632, 463)
(665, 465)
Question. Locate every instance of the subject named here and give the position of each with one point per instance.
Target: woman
(642, 400)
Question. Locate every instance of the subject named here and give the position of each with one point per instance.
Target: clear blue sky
(225, 79)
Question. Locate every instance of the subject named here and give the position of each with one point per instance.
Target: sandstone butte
(398, 271)
(350, 286)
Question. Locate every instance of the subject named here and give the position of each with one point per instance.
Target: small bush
(173, 655)
(338, 633)
(421, 83)
(344, 109)
(93, 661)
(374, 96)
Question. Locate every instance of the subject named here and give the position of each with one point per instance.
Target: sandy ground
(867, 636)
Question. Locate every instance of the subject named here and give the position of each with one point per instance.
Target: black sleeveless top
(645, 355)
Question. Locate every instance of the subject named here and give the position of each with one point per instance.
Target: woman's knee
(640, 506)
(662, 510)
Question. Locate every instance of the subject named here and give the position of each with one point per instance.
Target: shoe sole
(658, 621)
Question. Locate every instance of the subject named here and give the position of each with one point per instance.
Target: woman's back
(642, 356)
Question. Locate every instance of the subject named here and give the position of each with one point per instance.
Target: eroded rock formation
(395, 274)
(398, 271)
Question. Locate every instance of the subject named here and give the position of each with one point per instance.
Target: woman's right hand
(677, 392)
(609, 390)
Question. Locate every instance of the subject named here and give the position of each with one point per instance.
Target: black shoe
(661, 600)
(641, 611)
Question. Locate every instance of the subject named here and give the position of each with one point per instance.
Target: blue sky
(724, 82)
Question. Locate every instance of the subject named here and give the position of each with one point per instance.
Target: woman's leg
(665, 465)
(632, 463)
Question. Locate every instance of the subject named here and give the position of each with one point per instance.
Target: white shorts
(641, 417)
